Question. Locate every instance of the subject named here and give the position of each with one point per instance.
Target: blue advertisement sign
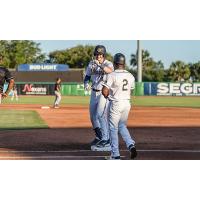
(172, 89)
(178, 89)
(43, 67)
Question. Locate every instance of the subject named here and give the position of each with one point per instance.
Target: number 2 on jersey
(125, 83)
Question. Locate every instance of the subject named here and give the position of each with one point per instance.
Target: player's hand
(97, 62)
(4, 95)
(101, 65)
(87, 87)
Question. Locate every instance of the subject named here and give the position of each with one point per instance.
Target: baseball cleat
(133, 152)
(98, 132)
(112, 158)
(95, 141)
(102, 148)
(103, 143)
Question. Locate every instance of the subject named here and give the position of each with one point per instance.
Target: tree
(20, 52)
(179, 71)
(147, 61)
(151, 70)
(195, 71)
(75, 57)
(155, 73)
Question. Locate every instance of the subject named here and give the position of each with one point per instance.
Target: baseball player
(57, 89)
(117, 88)
(5, 75)
(96, 71)
(14, 93)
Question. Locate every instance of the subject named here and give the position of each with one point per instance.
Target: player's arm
(132, 86)
(107, 85)
(10, 86)
(10, 81)
(58, 88)
(108, 68)
(87, 77)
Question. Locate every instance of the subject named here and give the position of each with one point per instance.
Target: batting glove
(87, 87)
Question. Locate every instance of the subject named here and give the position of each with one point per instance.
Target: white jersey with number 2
(120, 83)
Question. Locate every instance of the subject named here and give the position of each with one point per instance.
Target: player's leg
(59, 98)
(56, 100)
(93, 118)
(16, 95)
(130, 143)
(102, 115)
(114, 117)
(13, 95)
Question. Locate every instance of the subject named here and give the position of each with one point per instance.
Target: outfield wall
(141, 89)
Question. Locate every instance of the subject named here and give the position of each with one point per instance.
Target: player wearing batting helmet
(5, 76)
(96, 71)
(117, 88)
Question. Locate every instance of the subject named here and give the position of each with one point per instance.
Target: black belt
(95, 90)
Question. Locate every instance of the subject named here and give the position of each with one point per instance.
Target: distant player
(14, 93)
(5, 76)
(57, 89)
(117, 89)
(96, 71)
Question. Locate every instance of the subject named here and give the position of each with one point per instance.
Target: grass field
(137, 101)
(20, 119)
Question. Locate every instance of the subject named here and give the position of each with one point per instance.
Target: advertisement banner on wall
(43, 67)
(178, 89)
(35, 89)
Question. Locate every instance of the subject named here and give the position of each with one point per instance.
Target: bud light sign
(43, 67)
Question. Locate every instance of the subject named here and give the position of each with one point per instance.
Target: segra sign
(178, 89)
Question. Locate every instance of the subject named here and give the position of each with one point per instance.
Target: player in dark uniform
(5, 75)
(57, 93)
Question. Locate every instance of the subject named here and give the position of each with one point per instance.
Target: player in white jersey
(96, 71)
(117, 88)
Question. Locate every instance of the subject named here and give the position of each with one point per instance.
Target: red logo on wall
(27, 88)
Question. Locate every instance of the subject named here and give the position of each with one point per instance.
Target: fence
(141, 89)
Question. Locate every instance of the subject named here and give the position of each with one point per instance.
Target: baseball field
(163, 128)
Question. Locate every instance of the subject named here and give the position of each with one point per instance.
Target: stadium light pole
(139, 61)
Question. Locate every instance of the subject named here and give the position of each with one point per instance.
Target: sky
(167, 51)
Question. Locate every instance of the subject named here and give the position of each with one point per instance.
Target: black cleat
(103, 143)
(133, 152)
(95, 141)
(98, 136)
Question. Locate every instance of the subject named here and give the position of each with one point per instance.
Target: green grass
(20, 119)
(193, 102)
(48, 100)
(137, 101)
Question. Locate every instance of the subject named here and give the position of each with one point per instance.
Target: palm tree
(147, 61)
(195, 71)
(179, 71)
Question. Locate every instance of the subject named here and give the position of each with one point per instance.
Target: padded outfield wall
(141, 89)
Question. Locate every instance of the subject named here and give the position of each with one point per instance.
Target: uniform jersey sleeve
(8, 75)
(133, 83)
(89, 70)
(109, 81)
(110, 65)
